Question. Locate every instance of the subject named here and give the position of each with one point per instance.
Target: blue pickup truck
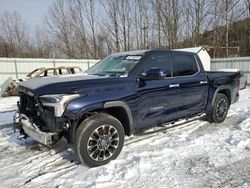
(123, 93)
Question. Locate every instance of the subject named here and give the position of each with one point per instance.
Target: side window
(77, 69)
(158, 59)
(185, 65)
(72, 70)
(51, 72)
(63, 71)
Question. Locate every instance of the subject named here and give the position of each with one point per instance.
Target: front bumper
(23, 122)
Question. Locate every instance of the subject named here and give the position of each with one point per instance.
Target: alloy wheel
(103, 142)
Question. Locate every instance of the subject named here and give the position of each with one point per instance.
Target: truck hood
(70, 84)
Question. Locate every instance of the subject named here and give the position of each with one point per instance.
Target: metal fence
(241, 63)
(19, 67)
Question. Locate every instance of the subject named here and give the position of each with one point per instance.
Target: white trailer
(203, 55)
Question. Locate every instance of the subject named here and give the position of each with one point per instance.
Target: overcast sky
(32, 11)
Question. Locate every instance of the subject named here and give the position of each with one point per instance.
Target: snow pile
(193, 154)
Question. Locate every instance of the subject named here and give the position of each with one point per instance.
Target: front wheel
(220, 109)
(99, 139)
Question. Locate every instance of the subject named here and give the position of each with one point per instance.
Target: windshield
(35, 72)
(115, 65)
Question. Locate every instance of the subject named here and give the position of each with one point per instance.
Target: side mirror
(154, 74)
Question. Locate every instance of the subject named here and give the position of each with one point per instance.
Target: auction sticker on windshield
(133, 57)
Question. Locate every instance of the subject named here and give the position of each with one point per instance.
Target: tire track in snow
(52, 167)
(188, 125)
(39, 175)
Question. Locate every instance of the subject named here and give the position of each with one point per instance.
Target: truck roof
(142, 52)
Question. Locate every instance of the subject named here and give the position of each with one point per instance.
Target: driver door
(158, 99)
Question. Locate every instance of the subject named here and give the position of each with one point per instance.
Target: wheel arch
(119, 109)
(122, 112)
(226, 90)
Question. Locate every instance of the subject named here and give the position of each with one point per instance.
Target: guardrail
(19, 67)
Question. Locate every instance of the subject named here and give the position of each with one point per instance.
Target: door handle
(203, 82)
(174, 85)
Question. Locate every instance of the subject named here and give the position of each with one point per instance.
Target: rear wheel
(220, 109)
(99, 139)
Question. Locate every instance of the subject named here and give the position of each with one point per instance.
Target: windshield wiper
(100, 74)
(115, 73)
(110, 73)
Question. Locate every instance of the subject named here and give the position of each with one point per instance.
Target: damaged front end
(41, 117)
(28, 128)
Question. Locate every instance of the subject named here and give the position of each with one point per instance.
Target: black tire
(99, 139)
(220, 109)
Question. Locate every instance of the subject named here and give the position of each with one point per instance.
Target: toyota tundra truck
(122, 94)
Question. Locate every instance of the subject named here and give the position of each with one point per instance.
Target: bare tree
(144, 23)
(94, 29)
(59, 26)
(168, 21)
(42, 45)
(111, 8)
(91, 17)
(13, 32)
(200, 17)
(228, 6)
(247, 2)
(78, 21)
(157, 8)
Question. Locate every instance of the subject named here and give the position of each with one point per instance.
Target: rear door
(193, 84)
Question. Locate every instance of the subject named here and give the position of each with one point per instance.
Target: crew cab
(123, 93)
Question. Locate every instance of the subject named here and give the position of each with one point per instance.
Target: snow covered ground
(193, 154)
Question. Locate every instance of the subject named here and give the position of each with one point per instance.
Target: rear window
(185, 65)
(63, 71)
(50, 72)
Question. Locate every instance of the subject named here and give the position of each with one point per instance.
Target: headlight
(51, 98)
(59, 102)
